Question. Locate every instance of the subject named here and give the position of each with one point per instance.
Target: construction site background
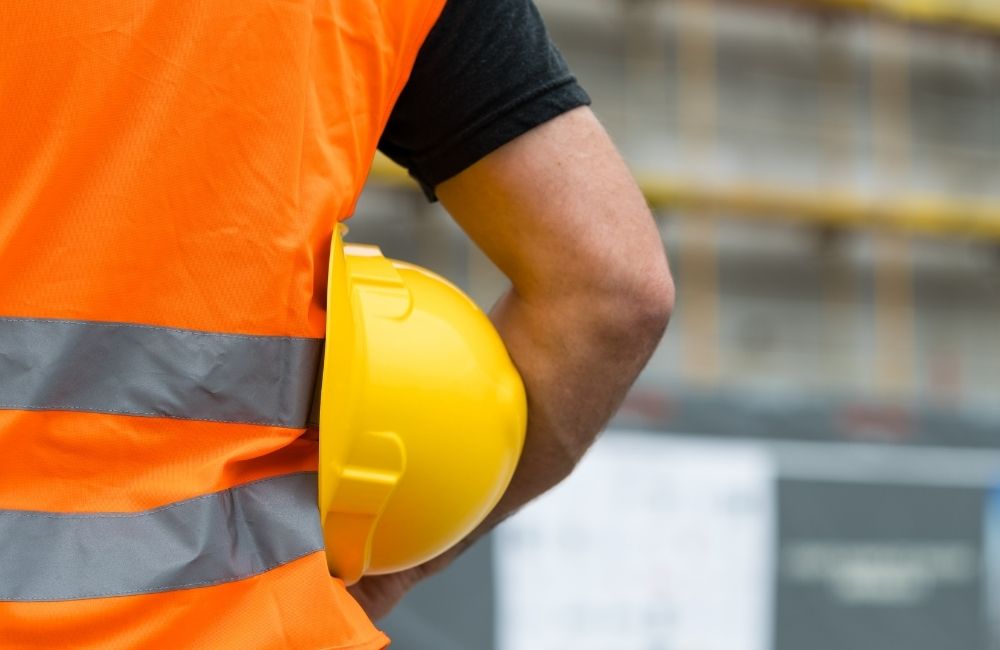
(826, 178)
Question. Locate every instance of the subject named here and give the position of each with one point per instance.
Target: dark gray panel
(770, 416)
(879, 567)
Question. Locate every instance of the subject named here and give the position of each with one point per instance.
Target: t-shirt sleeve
(487, 73)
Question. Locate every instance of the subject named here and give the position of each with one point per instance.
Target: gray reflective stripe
(58, 365)
(218, 538)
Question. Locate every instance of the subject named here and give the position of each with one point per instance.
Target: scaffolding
(829, 207)
(869, 94)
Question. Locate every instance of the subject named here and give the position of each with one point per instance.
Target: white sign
(655, 543)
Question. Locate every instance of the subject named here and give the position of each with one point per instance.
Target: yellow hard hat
(422, 414)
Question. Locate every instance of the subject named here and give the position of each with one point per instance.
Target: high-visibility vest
(170, 173)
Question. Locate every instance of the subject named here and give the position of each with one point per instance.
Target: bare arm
(560, 215)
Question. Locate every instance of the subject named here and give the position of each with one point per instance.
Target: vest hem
(377, 642)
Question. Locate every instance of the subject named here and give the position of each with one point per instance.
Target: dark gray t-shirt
(486, 74)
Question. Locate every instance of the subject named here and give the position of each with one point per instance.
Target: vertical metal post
(894, 314)
(839, 277)
(698, 257)
(646, 70)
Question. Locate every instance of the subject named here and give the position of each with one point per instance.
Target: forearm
(576, 371)
(577, 362)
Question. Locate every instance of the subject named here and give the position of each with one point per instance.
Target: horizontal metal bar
(922, 215)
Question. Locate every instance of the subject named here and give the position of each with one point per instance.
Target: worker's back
(170, 171)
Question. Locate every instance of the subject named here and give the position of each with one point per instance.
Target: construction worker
(171, 172)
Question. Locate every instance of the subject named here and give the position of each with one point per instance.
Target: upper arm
(559, 212)
(494, 123)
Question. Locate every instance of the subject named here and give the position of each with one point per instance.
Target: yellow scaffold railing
(979, 14)
(844, 210)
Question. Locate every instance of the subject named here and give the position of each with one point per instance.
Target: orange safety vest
(170, 172)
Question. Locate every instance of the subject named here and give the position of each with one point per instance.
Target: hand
(378, 595)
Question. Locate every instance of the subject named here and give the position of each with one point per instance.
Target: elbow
(618, 309)
(654, 306)
(639, 312)
(629, 325)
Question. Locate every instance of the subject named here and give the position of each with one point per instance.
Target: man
(169, 175)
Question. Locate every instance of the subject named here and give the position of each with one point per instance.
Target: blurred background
(810, 460)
